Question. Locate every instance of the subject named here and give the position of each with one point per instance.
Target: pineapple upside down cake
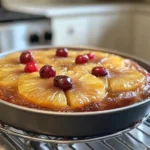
(72, 81)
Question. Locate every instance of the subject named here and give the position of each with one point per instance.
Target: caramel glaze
(111, 101)
(118, 100)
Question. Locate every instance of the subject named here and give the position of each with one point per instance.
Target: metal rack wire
(136, 138)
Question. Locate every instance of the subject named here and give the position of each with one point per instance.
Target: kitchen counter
(53, 9)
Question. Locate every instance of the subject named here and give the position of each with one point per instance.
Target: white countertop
(52, 9)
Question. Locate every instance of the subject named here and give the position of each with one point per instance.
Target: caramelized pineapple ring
(112, 61)
(61, 61)
(10, 59)
(9, 74)
(99, 55)
(40, 56)
(125, 79)
(41, 91)
(86, 89)
(82, 68)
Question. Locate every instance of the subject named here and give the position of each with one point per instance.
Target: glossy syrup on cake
(69, 80)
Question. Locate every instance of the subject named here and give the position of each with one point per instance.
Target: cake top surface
(69, 80)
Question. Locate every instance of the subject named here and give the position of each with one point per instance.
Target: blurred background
(122, 25)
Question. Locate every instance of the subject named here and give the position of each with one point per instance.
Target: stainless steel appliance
(19, 30)
(22, 34)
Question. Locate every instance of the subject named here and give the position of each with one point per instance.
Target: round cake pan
(98, 123)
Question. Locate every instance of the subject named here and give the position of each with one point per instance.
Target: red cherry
(99, 71)
(47, 72)
(31, 67)
(91, 55)
(62, 52)
(148, 74)
(63, 82)
(81, 59)
(26, 57)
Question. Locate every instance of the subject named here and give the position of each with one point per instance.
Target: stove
(135, 138)
(23, 30)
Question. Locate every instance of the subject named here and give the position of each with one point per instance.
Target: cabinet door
(142, 36)
(111, 31)
(70, 31)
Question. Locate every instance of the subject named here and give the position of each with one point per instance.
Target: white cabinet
(112, 30)
(142, 36)
(70, 30)
(102, 30)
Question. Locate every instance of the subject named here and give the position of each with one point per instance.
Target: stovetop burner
(137, 138)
